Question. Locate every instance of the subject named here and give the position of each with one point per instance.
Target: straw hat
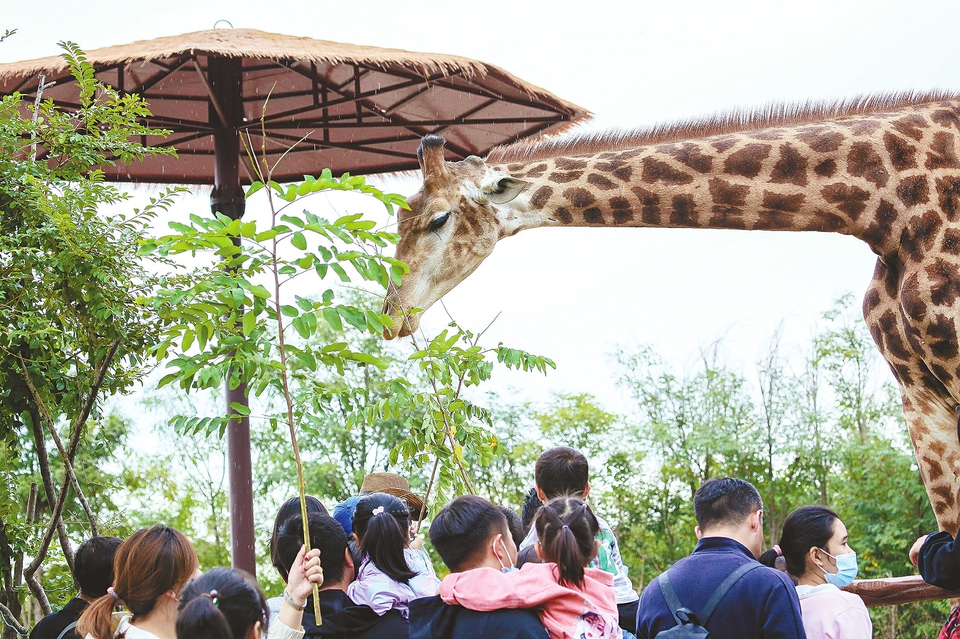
(393, 484)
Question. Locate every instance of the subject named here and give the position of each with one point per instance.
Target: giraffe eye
(438, 222)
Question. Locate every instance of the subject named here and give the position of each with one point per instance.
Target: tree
(71, 330)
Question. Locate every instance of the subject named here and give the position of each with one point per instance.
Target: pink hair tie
(112, 592)
(776, 549)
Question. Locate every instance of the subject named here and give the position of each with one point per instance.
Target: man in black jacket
(93, 572)
(342, 618)
(468, 533)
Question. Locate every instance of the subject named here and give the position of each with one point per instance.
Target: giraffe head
(454, 221)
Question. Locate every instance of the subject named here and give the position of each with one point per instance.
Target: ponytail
(224, 603)
(805, 528)
(97, 618)
(380, 523)
(567, 530)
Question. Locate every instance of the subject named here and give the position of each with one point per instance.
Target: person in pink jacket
(575, 602)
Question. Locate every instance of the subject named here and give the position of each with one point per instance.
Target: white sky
(573, 294)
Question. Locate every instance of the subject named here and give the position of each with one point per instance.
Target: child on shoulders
(391, 573)
(576, 602)
(564, 471)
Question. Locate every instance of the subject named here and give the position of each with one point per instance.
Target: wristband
(292, 603)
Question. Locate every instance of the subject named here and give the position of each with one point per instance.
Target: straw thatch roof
(363, 109)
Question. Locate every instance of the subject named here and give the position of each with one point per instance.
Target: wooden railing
(898, 590)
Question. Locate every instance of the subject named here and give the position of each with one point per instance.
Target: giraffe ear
(505, 190)
(430, 156)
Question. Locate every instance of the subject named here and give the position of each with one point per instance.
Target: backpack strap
(725, 587)
(67, 630)
(666, 588)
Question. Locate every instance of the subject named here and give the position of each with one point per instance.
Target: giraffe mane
(723, 123)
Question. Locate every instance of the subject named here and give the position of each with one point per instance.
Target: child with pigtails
(575, 602)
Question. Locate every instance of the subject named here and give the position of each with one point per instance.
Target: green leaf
(333, 318)
(289, 310)
(249, 323)
(299, 241)
(253, 188)
(240, 408)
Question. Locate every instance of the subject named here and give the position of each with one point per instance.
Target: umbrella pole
(226, 85)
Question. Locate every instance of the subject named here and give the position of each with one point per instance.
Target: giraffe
(884, 169)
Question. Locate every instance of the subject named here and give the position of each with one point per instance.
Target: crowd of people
(554, 571)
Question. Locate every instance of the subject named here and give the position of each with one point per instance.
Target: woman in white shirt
(149, 570)
(815, 545)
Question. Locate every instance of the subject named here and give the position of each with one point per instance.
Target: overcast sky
(574, 294)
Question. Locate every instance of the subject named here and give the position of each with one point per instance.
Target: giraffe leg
(932, 425)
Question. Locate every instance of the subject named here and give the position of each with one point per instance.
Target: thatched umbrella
(361, 109)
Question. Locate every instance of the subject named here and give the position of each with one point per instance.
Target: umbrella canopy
(342, 107)
(360, 109)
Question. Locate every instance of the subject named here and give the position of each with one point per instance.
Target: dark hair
(531, 504)
(383, 536)
(326, 535)
(562, 471)
(148, 563)
(514, 525)
(567, 529)
(725, 501)
(93, 565)
(528, 556)
(805, 528)
(290, 508)
(223, 603)
(462, 528)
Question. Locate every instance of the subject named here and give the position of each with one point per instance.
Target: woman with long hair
(150, 569)
(815, 546)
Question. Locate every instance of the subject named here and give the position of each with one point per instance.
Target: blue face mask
(504, 569)
(846, 569)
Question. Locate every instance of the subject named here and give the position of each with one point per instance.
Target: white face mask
(503, 568)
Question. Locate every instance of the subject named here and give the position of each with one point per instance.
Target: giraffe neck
(839, 176)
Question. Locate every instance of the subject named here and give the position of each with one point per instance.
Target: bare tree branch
(44, 462)
(36, 589)
(11, 620)
(67, 462)
(77, 429)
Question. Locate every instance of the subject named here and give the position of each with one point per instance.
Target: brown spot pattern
(622, 211)
(847, 198)
(921, 233)
(536, 171)
(723, 144)
(879, 230)
(564, 215)
(911, 126)
(650, 205)
(863, 161)
(948, 193)
(601, 182)
(689, 154)
(623, 173)
(747, 161)
(821, 140)
(570, 164)
(727, 194)
(684, 212)
(579, 197)
(944, 280)
(946, 118)
(826, 168)
(780, 202)
(951, 241)
(903, 155)
(914, 190)
(593, 216)
(658, 171)
(540, 196)
(942, 154)
(942, 339)
(563, 178)
(791, 168)
(861, 127)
